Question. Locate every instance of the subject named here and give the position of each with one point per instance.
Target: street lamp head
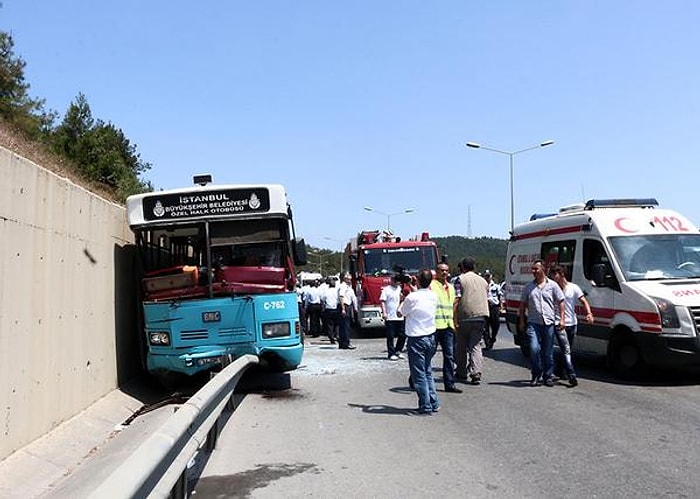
(473, 145)
(408, 210)
(547, 143)
(369, 208)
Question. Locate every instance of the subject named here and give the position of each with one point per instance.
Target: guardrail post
(180, 488)
(212, 437)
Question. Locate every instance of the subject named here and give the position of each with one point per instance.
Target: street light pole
(341, 251)
(320, 261)
(389, 215)
(510, 154)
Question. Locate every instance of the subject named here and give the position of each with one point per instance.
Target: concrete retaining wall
(66, 300)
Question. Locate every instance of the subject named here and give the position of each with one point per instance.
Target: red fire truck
(374, 257)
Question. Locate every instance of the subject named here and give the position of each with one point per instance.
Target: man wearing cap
(495, 297)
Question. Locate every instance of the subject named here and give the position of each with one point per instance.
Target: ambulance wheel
(626, 359)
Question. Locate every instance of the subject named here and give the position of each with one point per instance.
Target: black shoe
(535, 381)
(548, 382)
(573, 381)
(476, 379)
(453, 389)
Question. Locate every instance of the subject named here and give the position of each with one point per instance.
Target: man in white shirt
(329, 302)
(347, 303)
(495, 298)
(390, 299)
(418, 309)
(313, 309)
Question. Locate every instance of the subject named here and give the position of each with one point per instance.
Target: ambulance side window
(596, 265)
(561, 252)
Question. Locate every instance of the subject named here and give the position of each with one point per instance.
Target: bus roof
(205, 203)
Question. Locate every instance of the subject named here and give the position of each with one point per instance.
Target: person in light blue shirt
(541, 298)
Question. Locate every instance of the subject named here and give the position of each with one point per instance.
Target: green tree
(489, 252)
(16, 107)
(96, 149)
(100, 150)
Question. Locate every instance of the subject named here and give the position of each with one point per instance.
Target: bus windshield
(384, 261)
(232, 243)
(672, 256)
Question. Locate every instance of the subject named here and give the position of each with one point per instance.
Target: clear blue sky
(369, 103)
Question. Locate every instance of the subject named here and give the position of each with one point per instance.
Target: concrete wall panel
(64, 256)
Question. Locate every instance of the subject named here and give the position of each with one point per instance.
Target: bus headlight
(667, 312)
(159, 338)
(275, 329)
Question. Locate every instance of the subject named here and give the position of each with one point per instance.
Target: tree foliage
(99, 151)
(16, 106)
(489, 253)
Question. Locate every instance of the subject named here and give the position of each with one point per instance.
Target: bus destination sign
(206, 204)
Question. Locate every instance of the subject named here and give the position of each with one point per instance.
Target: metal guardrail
(158, 468)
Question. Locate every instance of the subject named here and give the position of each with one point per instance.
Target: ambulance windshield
(668, 256)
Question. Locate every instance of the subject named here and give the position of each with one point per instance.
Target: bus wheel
(627, 361)
(169, 381)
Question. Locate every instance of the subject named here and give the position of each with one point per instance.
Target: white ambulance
(640, 269)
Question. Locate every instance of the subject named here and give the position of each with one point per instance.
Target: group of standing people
(431, 311)
(325, 308)
(457, 317)
(436, 312)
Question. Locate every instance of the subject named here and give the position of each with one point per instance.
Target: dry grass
(41, 155)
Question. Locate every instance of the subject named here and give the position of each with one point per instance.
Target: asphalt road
(343, 429)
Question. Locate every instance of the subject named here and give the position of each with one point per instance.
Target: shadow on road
(382, 409)
(594, 369)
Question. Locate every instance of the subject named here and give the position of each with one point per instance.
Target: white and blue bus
(217, 276)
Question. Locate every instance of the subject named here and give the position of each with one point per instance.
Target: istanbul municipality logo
(158, 209)
(254, 202)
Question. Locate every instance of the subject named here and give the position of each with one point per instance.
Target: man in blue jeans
(444, 325)
(418, 309)
(541, 298)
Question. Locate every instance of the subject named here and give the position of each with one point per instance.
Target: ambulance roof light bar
(621, 203)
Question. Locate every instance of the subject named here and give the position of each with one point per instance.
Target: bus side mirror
(299, 250)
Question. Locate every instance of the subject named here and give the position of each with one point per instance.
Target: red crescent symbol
(618, 225)
(510, 265)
